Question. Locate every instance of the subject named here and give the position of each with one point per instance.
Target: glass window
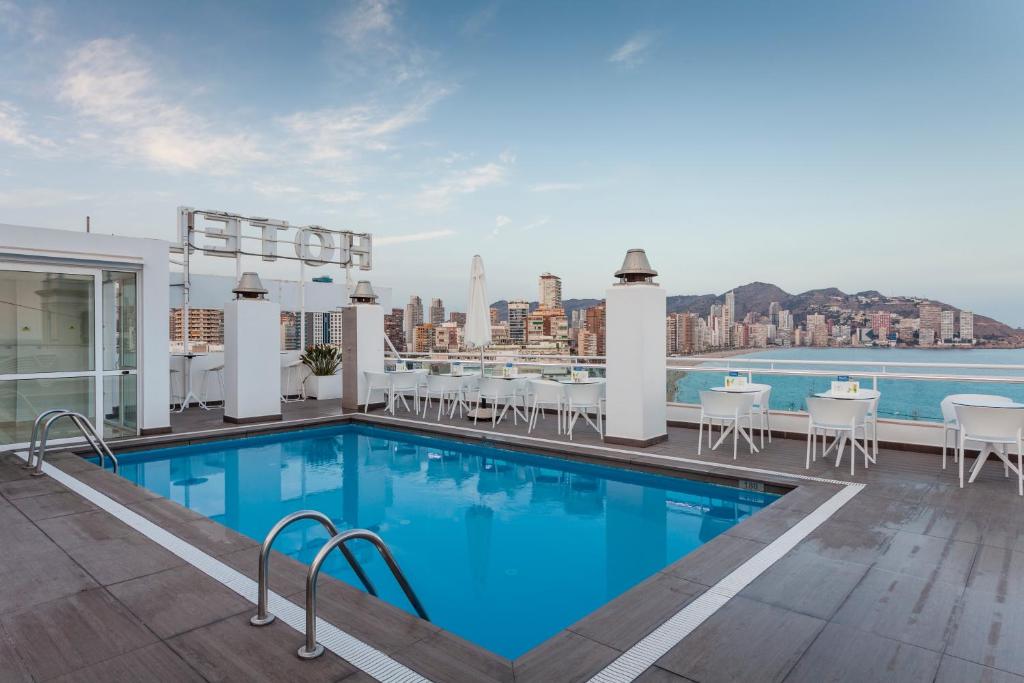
(120, 315)
(46, 322)
(22, 399)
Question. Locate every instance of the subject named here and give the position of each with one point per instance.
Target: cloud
(413, 237)
(370, 42)
(40, 197)
(107, 82)
(13, 131)
(480, 19)
(633, 51)
(35, 22)
(556, 187)
(539, 223)
(293, 192)
(467, 181)
(502, 221)
(340, 133)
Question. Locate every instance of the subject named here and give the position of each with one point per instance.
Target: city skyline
(475, 127)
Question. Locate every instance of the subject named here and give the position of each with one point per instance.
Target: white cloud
(34, 21)
(556, 187)
(413, 237)
(480, 19)
(502, 221)
(293, 192)
(633, 51)
(107, 82)
(371, 44)
(539, 223)
(439, 195)
(339, 133)
(39, 197)
(13, 131)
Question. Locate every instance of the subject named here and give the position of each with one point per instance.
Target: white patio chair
(950, 423)
(545, 394)
(404, 385)
(443, 388)
(177, 388)
(844, 418)
(376, 381)
(992, 426)
(470, 391)
(761, 409)
(731, 410)
(499, 392)
(580, 400)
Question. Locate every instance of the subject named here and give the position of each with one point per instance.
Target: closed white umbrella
(478, 313)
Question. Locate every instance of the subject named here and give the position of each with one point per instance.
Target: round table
(187, 384)
(862, 395)
(742, 389)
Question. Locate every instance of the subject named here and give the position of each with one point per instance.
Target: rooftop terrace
(904, 577)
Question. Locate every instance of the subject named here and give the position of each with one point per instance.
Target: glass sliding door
(68, 339)
(47, 348)
(120, 353)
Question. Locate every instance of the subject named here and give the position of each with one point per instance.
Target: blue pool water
(503, 548)
(901, 399)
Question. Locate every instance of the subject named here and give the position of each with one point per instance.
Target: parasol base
(481, 413)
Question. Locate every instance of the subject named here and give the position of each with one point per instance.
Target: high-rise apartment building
(671, 335)
(436, 312)
(518, 311)
(495, 317)
(323, 327)
(595, 324)
(966, 326)
(930, 315)
(423, 338)
(204, 325)
(394, 328)
(413, 319)
(774, 308)
(460, 318)
(817, 330)
(550, 291)
(728, 318)
(946, 326)
(881, 324)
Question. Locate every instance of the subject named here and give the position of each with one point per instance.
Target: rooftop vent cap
(250, 287)
(635, 268)
(363, 293)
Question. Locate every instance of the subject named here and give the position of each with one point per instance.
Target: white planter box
(322, 388)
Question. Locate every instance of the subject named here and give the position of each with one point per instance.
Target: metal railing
(311, 649)
(263, 617)
(46, 419)
(871, 371)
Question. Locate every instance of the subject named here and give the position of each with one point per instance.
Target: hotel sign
(223, 234)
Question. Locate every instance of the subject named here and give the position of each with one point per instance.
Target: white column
(362, 350)
(252, 360)
(635, 351)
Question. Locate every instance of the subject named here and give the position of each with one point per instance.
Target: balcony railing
(911, 391)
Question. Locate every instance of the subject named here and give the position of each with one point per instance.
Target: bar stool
(204, 401)
(292, 374)
(177, 393)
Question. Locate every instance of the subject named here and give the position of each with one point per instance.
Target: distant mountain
(756, 296)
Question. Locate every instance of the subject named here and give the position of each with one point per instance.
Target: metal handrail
(35, 434)
(263, 617)
(88, 431)
(313, 649)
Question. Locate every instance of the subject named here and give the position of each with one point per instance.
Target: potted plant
(323, 362)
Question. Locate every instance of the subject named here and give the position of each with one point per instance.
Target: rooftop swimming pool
(503, 548)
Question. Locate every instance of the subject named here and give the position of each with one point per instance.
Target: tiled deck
(913, 579)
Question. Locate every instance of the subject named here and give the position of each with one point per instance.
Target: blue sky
(864, 145)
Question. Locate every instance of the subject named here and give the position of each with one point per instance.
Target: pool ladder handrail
(313, 649)
(38, 451)
(263, 617)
